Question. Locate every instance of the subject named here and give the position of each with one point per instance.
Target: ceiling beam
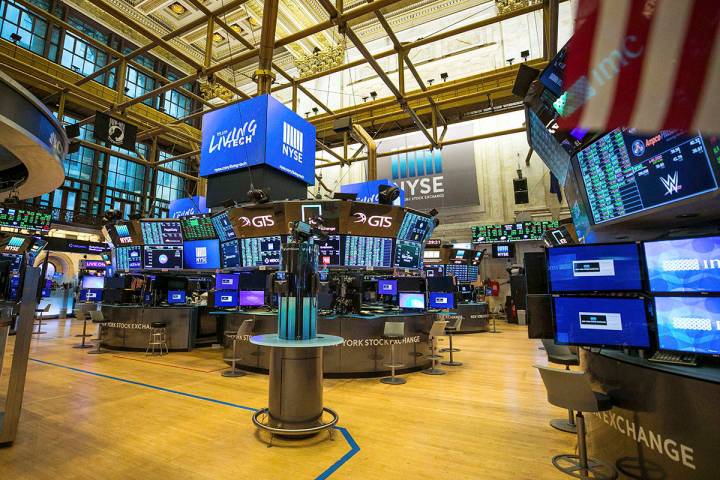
(264, 75)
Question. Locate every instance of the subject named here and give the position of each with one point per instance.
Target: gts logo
(374, 221)
(259, 222)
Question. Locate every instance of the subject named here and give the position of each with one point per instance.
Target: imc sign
(188, 206)
(254, 132)
(368, 191)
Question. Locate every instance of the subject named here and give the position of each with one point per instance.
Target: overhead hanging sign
(115, 131)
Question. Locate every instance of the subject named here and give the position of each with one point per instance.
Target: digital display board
(198, 228)
(201, 254)
(387, 287)
(91, 294)
(37, 246)
(230, 254)
(600, 321)
(367, 251)
(176, 296)
(411, 301)
(161, 233)
(128, 258)
(688, 324)
(223, 227)
(408, 254)
(689, 265)
(463, 273)
(15, 245)
(25, 219)
(625, 173)
(555, 156)
(227, 281)
(503, 250)
(435, 270)
(372, 220)
(587, 268)
(329, 249)
(123, 233)
(512, 232)
(433, 243)
(416, 228)
(226, 298)
(261, 251)
(162, 257)
(251, 298)
(441, 300)
(92, 281)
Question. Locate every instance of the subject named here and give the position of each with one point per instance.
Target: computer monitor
(227, 281)
(176, 296)
(595, 268)
(601, 321)
(411, 301)
(690, 265)
(202, 254)
(503, 250)
(91, 295)
(91, 281)
(253, 280)
(162, 257)
(441, 300)
(440, 284)
(688, 324)
(226, 298)
(387, 287)
(251, 298)
(411, 284)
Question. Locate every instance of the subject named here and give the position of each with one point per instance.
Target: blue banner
(368, 191)
(188, 206)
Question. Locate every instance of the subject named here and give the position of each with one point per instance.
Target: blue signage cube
(258, 131)
(368, 191)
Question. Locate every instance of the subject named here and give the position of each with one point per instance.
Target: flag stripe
(707, 116)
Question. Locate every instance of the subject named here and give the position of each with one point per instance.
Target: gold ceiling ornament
(210, 89)
(321, 59)
(178, 8)
(507, 6)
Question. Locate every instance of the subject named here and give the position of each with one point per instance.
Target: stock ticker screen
(625, 173)
(128, 258)
(198, 228)
(261, 251)
(512, 232)
(415, 227)
(329, 251)
(223, 227)
(161, 233)
(367, 251)
(27, 219)
(408, 254)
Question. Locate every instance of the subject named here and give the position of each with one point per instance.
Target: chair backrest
(246, 327)
(394, 329)
(46, 308)
(438, 328)
(458, 322)
(96, 316)
(554, 350)
(569, 389)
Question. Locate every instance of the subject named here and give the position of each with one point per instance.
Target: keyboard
(686, 359)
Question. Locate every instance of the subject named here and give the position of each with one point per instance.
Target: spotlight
(373, 94)
(14, 37)
(258, 195)
(444, 76)
(525, 54)
(315, 110)
(307, 114)
(431, 81)
(365, 99)
(387, 194)
(510, 60)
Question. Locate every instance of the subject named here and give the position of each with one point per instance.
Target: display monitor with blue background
(230, 254)
(91, 294)
(128, 258)
(176, 297)
(601, 321)
(688, 324)
(223, 227)
(227, 281)
(251, 298)
(689, 265)
(156, 258)
(595, 268)
(92, 281)
(387, 287)
(202, 254)
(258, 131)
(261, 251)
(226, 298)
(441, 300)
(411, 301)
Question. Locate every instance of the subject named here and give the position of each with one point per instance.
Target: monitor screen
(408, 254)
(165, 232)
(251, 298)
(441, 300)
(176, 296)
(512, 232)
(123, 233)
(202, 254)
(329, 251)
(227, 281)
(25, 219)
(163, 257)
(440, 284)
(128, 258)
(503, 250)
(587, 268)
(434, 270)
(226, 298)
(198, 228)
(688, 324)
(687, 265)
(416, 228)
(91, 294)
(431, 254)
(223, 227)
(367, 251)
(625, 173)
(253, 280)
(411, 300)
(387, 287)
(261, 251)
(411, 284)
(91, 281)
(601, 321)
(230, 254)
(548, 147)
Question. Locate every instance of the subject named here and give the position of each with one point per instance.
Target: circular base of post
(83, 346)
(563, 425)
(445, 350)
(290, 432)
(233, 373)
(596, 469)
(393, 380)
(434, 371)
(451, 364)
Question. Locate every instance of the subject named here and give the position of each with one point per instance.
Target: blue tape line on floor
(354, 448)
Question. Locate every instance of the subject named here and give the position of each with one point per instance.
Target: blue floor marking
(354, 448)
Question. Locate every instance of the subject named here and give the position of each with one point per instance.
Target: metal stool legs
(392, 379)
(98, 350)
(452, 362)
(562, 424)
(158, 338)
(39, 325)
(580, 466)
(433, 370)
(233, 372)
(83, 335)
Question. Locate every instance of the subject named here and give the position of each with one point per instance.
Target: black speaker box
(520, 187)
(72, 130)
(526, 75)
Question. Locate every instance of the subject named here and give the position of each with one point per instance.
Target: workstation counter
(474, 315)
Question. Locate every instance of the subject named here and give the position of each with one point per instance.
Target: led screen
(387, 287)
(503, 250)
(411, 300)
(128, 258)
(90, 281)
(26, 219)
(688, 324)
(198, 228)
(123, 233)
(329, 251)
(223, 227)
(408, 254)
(91, 295)
(176, 296)
(585, 268)
(161, 233)
(441, 300)
(367, 251)
(230, 254)
(227, 281)
(251, 298)
(261, 251)
(163, 257)
(226, 298)
(688, 265)
(202, 254)
(434, 270)
(416, 228)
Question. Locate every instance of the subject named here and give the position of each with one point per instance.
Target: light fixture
(258, 195)
(217, 37)
(236, 28)
(253, 22)
(178, 8)
(15, 37)
(525, 54)
(431, 81)
(365, 99)
(510, 60)
(315, 110)
(373, 95)
(444, 76)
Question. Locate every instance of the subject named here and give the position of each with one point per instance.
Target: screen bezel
(401, 294)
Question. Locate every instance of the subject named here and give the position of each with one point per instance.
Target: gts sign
(260, 221)
(379, 221)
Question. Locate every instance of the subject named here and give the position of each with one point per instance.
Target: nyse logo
(259, 222)
(292, 142)
(374, 221)
(236, 137)
(671, 184)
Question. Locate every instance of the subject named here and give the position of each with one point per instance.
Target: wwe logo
(671, 184)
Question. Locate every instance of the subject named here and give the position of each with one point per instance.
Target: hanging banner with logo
(368, 191)
(183, 207)
(115, 131)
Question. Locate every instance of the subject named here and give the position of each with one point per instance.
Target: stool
(158, 338)
(39, 317)
(572, 390)
(449, 330)
(84, 333)
(99, 319)
(246, 328)
(437, 330)
(392, 332)
(561, 355)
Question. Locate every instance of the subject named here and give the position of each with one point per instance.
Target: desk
(475, 316)
(129, 326)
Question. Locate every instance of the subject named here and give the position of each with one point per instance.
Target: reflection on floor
(125, 415)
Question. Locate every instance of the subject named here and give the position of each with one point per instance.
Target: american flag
(646, 64)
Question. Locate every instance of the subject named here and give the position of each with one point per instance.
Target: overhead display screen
(123, 233)
(598, 321)
(227, 281)
(408, 254)
(434, 270)
(260, 220)
(261, 251)
(555, 155)
(202, 254)
(441, 300)
(625, 173)
(198, 228)
(687, 265)
(329, 249)
(161, 233)
(463, 273)
(25, 219)
(161, 257)
(688, 324)
(128, 258)
(417, 228)
(503, 250)
(512, 232)
(15, 245)
(367, 251)
(223, 227)
(587, 268)
(230, 254)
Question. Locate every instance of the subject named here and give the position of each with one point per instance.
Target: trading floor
(125, 415)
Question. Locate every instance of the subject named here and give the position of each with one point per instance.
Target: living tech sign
(254, 132)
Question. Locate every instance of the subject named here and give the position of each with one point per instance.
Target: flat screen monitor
(161, 258)
(440, 284)
(198, 227)
(223, 227)
(408, 254)
(441, 300)
(176, 296)
(511, 232)
(387, 287)
(230, 254)
(91, 281)
(227, 281)
(690, 265)
(367, 251)
(548, 147)
(589, 268)
(601, 321)
(329, 251)
(688, 324)
(261, 251)
(226, 298)
(91, 294)
(165, 232)
(434, 270)
(128, 258)
(25, 219)
(253, 280)
(415, 227)
(466, 289)
(503, 250)
(251, 298)
(202, 254)
(431, 254)
(123, 233)
(411, 284)
(414, 301)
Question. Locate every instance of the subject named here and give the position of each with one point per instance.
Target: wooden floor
(124, 415)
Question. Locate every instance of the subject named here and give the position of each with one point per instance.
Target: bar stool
(449, 330)
(392, 332)
(561, 355)
(246, 328)
(158, 338)
(437, 330)
(39, 317)
(84, 333)
(572, 390)
(99, 319)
